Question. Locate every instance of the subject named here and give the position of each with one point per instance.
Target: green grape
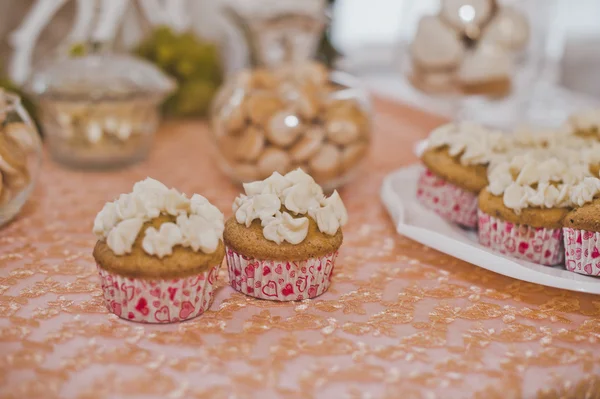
(194, 98)
(193, 62)
(77, 50)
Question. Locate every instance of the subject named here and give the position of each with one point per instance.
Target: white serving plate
(412, 220)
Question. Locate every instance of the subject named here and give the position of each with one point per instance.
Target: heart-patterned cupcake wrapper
(158, 301)
(447, 200)
(582, 251)
(538, 245)
(280, 280)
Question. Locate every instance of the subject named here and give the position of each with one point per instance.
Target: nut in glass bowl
(292, 116)
(20, 156)
(101, 110)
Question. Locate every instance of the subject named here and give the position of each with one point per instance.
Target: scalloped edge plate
(398, 193)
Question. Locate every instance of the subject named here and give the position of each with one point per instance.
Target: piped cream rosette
(158, 253)
(283, 239)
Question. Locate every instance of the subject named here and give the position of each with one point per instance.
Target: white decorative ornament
(172, 13)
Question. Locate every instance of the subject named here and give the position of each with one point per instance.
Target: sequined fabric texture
(399, 319)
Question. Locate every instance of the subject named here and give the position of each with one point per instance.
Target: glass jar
(20, 156)
(99, 110)
(288, 112)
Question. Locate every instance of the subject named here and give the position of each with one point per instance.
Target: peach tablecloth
(400, 320)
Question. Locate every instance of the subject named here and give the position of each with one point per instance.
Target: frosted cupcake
(284, 237)
(521, 212)
(158, 253)
(456, 158)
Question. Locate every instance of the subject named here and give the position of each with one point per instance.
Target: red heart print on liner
(130, 315)
(186, 292)
(280, 281)
(156, 303)
(250, 289)
(588, 268)
(578, 240)
(287, 290)
(249, 271)
(172, 292)
(142, 306)
(311, 270)
(292, 273)
(257, 284)
(312, 291)
(155, 292)
(523, 246)
(186, 310)
(270, 289)
(301, 284)
(128, 290)
(279, 269)
(595, 253)
(288, 266)
(112, 293)
(162, 315)
(266, 270)
(211, 276)
(116, 307)
(237, 272)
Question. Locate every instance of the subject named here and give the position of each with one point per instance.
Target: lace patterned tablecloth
(400, 320)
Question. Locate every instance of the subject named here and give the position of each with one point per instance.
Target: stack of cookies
(276, 120)
(523, 192)
(468, 46)
(17, 142)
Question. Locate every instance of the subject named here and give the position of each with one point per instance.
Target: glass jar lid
(104, 76)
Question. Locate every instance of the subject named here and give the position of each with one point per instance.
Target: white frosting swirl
(545, 179)
(199, 224)
(300, 195)
(474, 143)
(161, 242)
(121, 238)
(283, 227)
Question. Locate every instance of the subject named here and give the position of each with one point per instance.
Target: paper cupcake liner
(280, 280)
(582, 251)
(447, 200)
(538, 245)
(158, 301)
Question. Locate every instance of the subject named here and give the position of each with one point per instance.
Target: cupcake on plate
(158, 253)
(456, 159)
(582, 238)
(522, 210)
(284, 237)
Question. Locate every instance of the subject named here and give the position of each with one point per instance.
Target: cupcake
(284, 237)
(158, 253)
(522, 210)
(582, 235)
(456, 159)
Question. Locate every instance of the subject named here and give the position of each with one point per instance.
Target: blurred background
(96, 76)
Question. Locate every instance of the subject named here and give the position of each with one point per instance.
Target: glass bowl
(101, 110)
(20, 156)
(292, 116)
